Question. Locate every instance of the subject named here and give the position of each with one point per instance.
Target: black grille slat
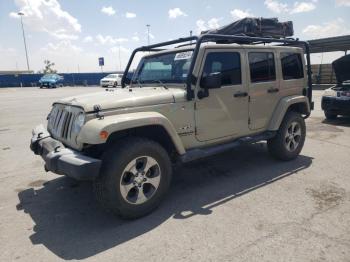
(61, 126)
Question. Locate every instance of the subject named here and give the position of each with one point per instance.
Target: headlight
(79, 122)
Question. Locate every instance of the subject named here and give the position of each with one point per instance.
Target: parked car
(336, 100)
(51, 81)
(111, 80)
(182, 104)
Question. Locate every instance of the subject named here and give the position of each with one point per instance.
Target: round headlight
(79, 122)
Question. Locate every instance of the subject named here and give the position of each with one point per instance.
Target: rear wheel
(135, 176)
(329, 115)
(290, 138)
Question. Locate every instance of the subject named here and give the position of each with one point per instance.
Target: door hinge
(248, 120)
(248, 99)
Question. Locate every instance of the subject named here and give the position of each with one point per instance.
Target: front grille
(60, 123)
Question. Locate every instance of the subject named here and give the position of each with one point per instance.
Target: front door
(263, 87)
(224, 112)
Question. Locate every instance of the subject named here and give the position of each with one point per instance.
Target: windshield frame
(136, 75)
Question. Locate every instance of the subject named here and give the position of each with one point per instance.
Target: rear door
(263, 87)
(225, 111)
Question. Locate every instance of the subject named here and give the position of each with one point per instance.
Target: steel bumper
(61, 160)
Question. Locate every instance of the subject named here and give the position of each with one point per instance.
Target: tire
(290, 138)
(115, 84)
(119, 170)
(329, 115)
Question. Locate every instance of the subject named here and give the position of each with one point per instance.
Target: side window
(262, 67)
(226, 63)
(292, 66)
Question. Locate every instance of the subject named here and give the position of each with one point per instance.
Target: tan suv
(182, 104)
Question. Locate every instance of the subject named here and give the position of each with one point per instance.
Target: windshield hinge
(97, 110)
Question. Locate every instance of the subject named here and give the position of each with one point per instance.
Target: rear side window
(262, 67)
(292, 66)
(226, 63)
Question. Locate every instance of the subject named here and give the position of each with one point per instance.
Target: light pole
(24, 38)
(148, 28)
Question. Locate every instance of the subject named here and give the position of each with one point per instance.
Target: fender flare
(90, 132)
(282, 108)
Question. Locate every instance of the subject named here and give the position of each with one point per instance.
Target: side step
(198, 153)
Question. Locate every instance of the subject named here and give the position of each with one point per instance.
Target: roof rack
(198, 40)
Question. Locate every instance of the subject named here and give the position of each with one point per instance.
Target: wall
(69, 79)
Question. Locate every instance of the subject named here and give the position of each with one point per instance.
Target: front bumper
(61, 160)
(340, 106)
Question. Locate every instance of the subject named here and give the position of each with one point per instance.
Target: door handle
(273, 90)
(240, 94)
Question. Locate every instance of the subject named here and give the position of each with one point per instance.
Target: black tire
(278, 146)
(330, 116)
(107, 186)
(115, 84)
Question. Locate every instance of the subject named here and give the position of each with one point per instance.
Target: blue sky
(73, 33)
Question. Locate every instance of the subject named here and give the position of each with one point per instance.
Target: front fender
(90, 132)
(282, 108)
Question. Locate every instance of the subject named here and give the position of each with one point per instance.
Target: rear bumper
(336, 105)
(61, 160)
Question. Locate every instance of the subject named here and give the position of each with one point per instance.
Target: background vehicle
(336, 100)
(112, 80)
(183, 104)
(51, 81)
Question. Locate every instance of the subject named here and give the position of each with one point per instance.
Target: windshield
(164, 68)
(112, 76)
(50, 77)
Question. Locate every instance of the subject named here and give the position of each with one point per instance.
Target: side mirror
(211, 81)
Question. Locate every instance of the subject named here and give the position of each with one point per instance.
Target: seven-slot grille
(61, 121)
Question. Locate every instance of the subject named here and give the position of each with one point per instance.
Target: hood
(125, 97)
(341, 68)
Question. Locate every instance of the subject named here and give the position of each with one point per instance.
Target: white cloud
(48, 16)
(135, 37)
(130, 15)
(176, 12)
(115, 50)
(239, 14)
(212, 23)
(109, 40)
(279, 7)
(328, 29)
(108, 10)
(342, 2)
(302, 7)
(276, 6)
(62, 48)
(87, 39)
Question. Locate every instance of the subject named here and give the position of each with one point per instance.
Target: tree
(49, 67)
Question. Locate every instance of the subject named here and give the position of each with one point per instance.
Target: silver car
(111, 80)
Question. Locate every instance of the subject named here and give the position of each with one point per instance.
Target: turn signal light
(103, 135)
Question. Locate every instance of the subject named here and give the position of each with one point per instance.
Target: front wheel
(290, 138)
(135, 176)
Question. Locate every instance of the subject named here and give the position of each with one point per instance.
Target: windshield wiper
(160, 82)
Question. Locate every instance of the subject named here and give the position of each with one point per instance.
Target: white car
(113, 80)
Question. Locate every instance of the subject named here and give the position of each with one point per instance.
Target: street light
(24, 38)
(148, 27)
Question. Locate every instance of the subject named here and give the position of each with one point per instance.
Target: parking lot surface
(238, 206)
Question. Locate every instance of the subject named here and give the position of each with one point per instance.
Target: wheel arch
(151, 125)
(299, 104)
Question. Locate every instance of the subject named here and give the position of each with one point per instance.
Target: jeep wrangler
(182, 104)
